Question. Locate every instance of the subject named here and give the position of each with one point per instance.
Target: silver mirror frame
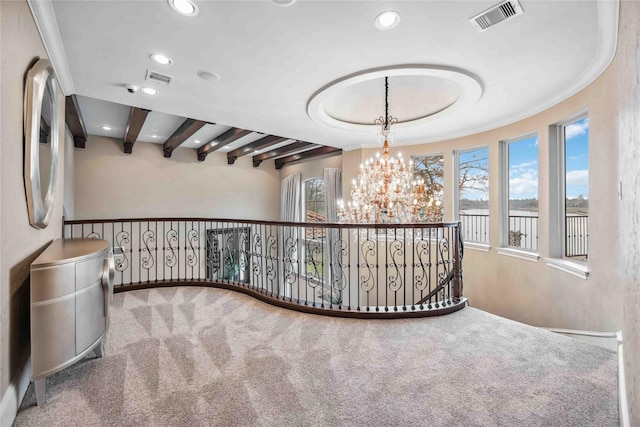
(40, 200)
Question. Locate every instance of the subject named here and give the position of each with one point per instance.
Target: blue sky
(523, 168)
(577, 158)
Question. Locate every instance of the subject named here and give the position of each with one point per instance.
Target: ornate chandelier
(385, 191)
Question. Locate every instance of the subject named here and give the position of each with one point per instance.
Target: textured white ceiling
(272, 59)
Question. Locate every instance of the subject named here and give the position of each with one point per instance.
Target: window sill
(482, 247)
(577, 269)
(517, 253)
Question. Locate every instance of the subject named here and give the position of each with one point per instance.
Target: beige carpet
(199, 356)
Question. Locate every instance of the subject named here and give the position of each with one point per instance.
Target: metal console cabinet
(71, 290)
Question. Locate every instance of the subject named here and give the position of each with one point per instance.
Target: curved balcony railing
(350, 270)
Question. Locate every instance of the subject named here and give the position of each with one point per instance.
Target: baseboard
(623, 404)
(12, 398)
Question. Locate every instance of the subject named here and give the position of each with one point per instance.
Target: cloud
(524, 165)
(577, 178)
(578, 128)
(524, 186)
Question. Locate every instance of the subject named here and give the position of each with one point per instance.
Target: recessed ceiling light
(387, 20)
(184, 7)
(106, 127)
(155, 136)
(284, 2)
(149, 91)
(161, 59)
(196, 142)
(209, 76)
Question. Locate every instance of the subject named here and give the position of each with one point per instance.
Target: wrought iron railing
(577, 236)
(353, 270)
(523, 232)
(475, 228)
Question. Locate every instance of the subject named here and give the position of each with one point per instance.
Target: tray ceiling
(271, 60)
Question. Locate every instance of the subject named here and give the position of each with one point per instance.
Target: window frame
(557, 199)
(472, 244)
(503, 213)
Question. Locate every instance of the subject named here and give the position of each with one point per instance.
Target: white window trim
(471, 244)
(476, 246)
(503, 180)
(519, 253)
(576, 268)
(557, 176)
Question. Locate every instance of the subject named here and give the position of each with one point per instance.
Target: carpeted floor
(199, 356)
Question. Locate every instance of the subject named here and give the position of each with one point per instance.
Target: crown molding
(45, 18)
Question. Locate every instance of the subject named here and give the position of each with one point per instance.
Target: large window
(314, 237)
(575, 145)
(521, 202)
(472, 168)
(431, 169)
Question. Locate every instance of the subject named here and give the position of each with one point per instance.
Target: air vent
(159, 78)
(495, 14)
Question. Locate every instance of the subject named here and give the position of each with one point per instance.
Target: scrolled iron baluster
(244, 243)
(257, 256)
(394, 280)
(368, 281)
(171, 259)
(272, 253)
(314, 248)
(443, 249)
(93, 235)
(291, 250)
(192, 239)
(422, 280)
(147, 260)
(122, 238)
(338, 278)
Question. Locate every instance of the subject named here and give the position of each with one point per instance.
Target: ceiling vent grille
(498, 13)
(159, 78)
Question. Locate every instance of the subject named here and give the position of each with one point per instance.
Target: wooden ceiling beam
(282, 151)
(261, 144)
(184, 132)
(220, 141)
(305, 155)
(137, 116)
(74, 121)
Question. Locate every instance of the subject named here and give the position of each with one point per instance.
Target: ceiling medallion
(424, 93)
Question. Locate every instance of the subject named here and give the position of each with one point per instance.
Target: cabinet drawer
(52, 282)
(53, 340)
(90, 316)
(88, 272)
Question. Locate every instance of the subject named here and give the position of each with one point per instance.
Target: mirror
(41, 139)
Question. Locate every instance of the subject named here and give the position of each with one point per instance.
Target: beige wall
(628, 132)
(68, 197)
(111, 184)
(532, 292)
(20, 243)
(313, 169)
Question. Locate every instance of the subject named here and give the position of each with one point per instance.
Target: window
(314, 237)
(472, 170)
(431, 169)
(575, 212)
(520, 223)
